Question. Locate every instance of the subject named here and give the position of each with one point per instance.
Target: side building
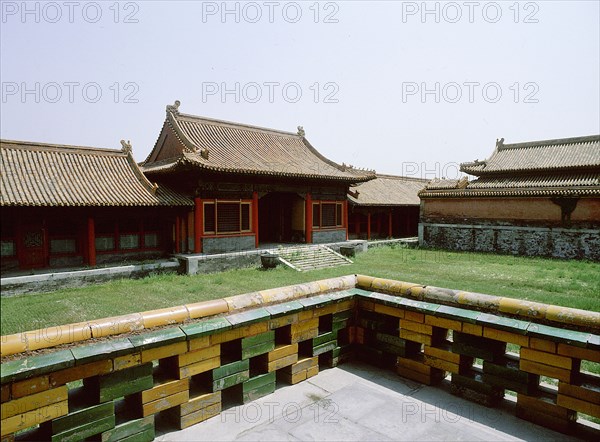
(251, 186)
(538, 198)
(386, 207)
(71, 206)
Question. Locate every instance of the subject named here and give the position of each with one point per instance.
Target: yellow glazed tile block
(199, 367)
(80, 372)
(164, 352)
(34, 417)
(472, 329)
(53, 336)
(5, 393)
(240, 332)
(573, 316)
(281, 362)
(545, 370)
(30, 386)
(534, 310)
(416, 365)
(198, 343)
(542, 345)
(116, 325)
(246, 300)
(579, 353)
(327, 310)
(364, 282)
(200, 416)
(312, 371)
(578, 405)
(165, 316)
(443, 323)
(13, 344)
(127, 361)
(282, 351)
(441, 364)
(388, 310)
(583, 392)
(411, 335)
(416, 327)
(165, 403)
(305, 315)
(199, 355)
(366, 305)
(164, 390)
(207, 308)
(282, 321)
(414, 316)
(34, 401)
(547, 358)
(442, 354)
(504, 336)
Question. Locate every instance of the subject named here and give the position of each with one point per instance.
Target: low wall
(227, 244)
(196, 362)
(327, 236)
(516, 240)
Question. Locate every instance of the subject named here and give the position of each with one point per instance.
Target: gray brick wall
(325, 236)
(227, 244)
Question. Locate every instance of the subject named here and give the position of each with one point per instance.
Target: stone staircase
(305, 258)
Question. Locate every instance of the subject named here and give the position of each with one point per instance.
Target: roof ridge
(236, 125)
(550, 142)
(385, 175)
(24, 144)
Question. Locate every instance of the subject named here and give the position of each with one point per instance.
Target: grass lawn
(568, 283)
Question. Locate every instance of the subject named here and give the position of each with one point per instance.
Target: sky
(406, 88)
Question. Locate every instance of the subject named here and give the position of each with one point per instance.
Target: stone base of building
(566, 243)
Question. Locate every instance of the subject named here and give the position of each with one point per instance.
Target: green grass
(567, 283)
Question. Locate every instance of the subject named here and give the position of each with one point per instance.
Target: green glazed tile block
(474, 381)
(258, 339)
(594, 342)
(128, 429)
(32, 366)
(384, 299)
(231, 368)
(85, 431)
(259, 381)
(390, 349)
(81, 417)
(419, 306)
(230, 381)
(360, 292)
(144, 436)
(285, 308)
(343, 316)
(390, 339)
(501, 323)
(85, 354)
(206, 327)
(571, 337)
(324, 348)
(528, 388)
(323, 338)
(315, 301)
(249, 317)
(263, 390)
(339, 325)
(125, 382)
(341, 296)
(458, 314)
(157, 338)
(259, 349)
(476, 352)
(508, 369)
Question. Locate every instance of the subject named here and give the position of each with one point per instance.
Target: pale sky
(399, 87)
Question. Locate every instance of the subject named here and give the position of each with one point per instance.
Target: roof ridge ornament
(174, 108)
(126, 147)
(499, 143)
(301, 131)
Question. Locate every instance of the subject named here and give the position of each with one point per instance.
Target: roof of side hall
(563, 167)
(226, 147)
(388, 190)
(40, 174)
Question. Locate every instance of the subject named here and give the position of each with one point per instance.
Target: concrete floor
(359, 402)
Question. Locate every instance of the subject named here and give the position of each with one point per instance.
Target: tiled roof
(227, 147)
(388, 190)
(36, 174)
(539, 181)
(437, 184)
(548, 155)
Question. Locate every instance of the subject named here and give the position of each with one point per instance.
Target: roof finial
(126, 147)
(301, 131)
(499, 143)
(174, 108)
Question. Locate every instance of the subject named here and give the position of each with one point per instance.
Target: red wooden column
(177, 234)
(345, 215)
(390, 224)
(309, 220)
(379, 224)
(198, 225)
(91, 240)
(357, 224)
(255, 217)
(369, 225)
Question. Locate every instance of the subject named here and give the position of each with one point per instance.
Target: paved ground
(359, 402)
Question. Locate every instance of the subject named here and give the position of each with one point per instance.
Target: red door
(33, 247)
